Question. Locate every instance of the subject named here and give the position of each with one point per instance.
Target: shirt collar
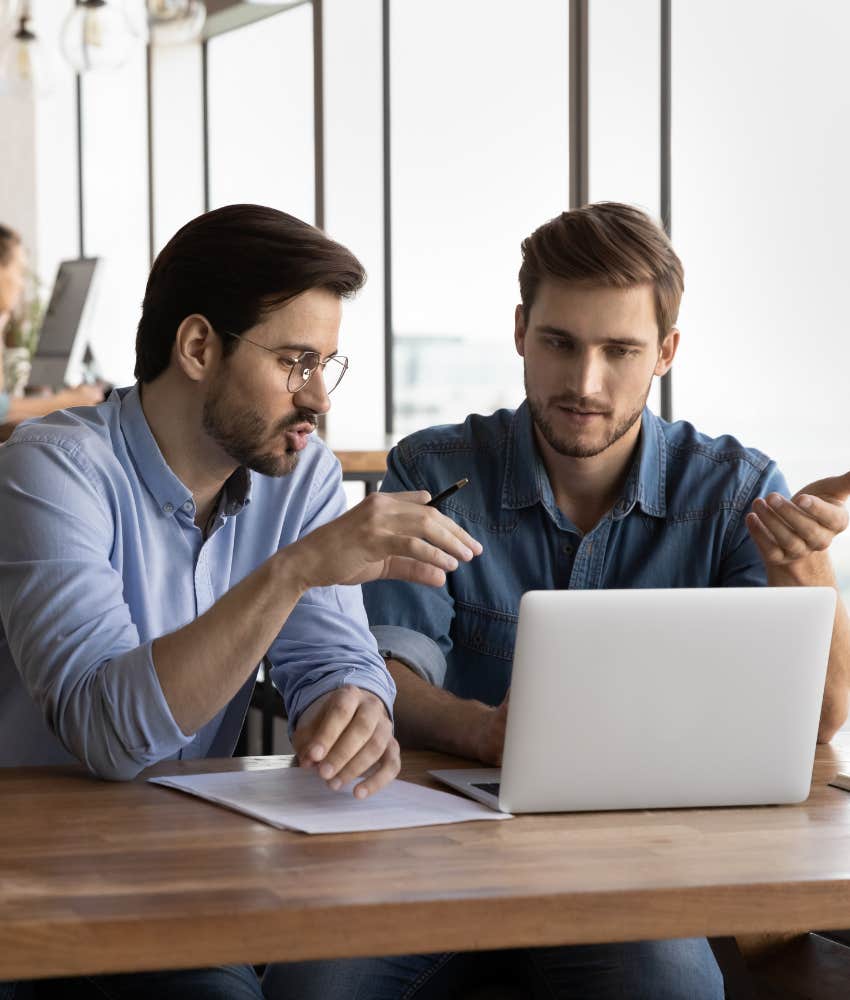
(646, 483)
(526, 481)
(169, 492)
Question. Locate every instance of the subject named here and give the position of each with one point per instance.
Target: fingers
(770, 551)
(417, 550)
(365, 760)
(395, 513)
(358, 746)
(387, 769)
(354, 735)
(833, 488)
(443, 531)
(413, 571)
(324, 724)
(831, 515)
(793, 529)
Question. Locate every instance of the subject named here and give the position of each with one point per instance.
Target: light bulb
(92, 29)
(175, 22)
(95, 36)
(23, 67)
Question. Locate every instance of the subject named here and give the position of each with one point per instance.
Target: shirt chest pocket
(492, 633)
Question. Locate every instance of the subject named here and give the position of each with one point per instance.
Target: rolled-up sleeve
(68, 626)
(325, 643)
(415, 650)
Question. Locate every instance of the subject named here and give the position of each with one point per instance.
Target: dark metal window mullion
(81, 214)
(150, 151)
(578, 103)
(205, 120)
(666, 164)
(319, 113)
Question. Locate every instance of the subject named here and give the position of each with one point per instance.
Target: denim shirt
(100, 555)
(678, 523)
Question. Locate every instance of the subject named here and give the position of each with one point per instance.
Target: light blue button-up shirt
(679, 522)
(100, 555)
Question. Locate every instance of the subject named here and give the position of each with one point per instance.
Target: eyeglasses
(301, 367)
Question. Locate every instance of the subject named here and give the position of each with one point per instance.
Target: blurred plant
(24, 324)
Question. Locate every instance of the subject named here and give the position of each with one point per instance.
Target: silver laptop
(641, 699)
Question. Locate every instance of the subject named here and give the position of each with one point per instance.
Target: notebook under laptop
(638, 699)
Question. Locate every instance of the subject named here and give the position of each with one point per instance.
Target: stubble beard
(573, 449)
(236, 430)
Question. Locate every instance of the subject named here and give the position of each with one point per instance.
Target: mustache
(299, 417)
(578, 403)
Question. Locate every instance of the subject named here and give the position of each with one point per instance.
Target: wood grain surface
(98, 877)
(368, 462)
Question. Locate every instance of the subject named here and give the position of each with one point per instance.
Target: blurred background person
(14, 409)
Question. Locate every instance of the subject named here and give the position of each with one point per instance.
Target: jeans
(644, 970)
(227, 982)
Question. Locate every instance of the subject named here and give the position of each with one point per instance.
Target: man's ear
(196, 348)
(519, 330)
(669, 346)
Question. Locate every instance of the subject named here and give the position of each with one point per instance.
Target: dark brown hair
(8, 239)
(607, 244)
(233, 266)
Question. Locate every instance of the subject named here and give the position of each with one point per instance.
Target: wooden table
(98, 877)
(368, 467)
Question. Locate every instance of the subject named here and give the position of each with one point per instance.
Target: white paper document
(294, 798)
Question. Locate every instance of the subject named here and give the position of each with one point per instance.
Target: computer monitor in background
(63, 345)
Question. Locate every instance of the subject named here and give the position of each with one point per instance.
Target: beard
(575, 448)
(242, 433)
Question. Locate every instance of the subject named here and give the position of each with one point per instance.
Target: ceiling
(225, 15)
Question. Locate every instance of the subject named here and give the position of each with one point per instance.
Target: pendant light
(23, 66)
(175, 22)
(96, 36)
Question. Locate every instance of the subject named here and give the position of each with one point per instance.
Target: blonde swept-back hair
(607, 244)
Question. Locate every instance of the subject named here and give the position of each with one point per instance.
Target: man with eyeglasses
(164, 542)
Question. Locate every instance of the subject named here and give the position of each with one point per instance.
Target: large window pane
(261, 114)
(178, 139)
(354, 210)
(760, 217)
(480, 132)
(116, 207)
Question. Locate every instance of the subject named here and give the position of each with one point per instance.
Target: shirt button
(168, 508)
(568, 549)
(188, 506)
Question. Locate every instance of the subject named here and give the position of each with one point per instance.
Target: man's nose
(313, 395)
(587, 376)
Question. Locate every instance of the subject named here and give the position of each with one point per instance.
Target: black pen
(459, 485)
